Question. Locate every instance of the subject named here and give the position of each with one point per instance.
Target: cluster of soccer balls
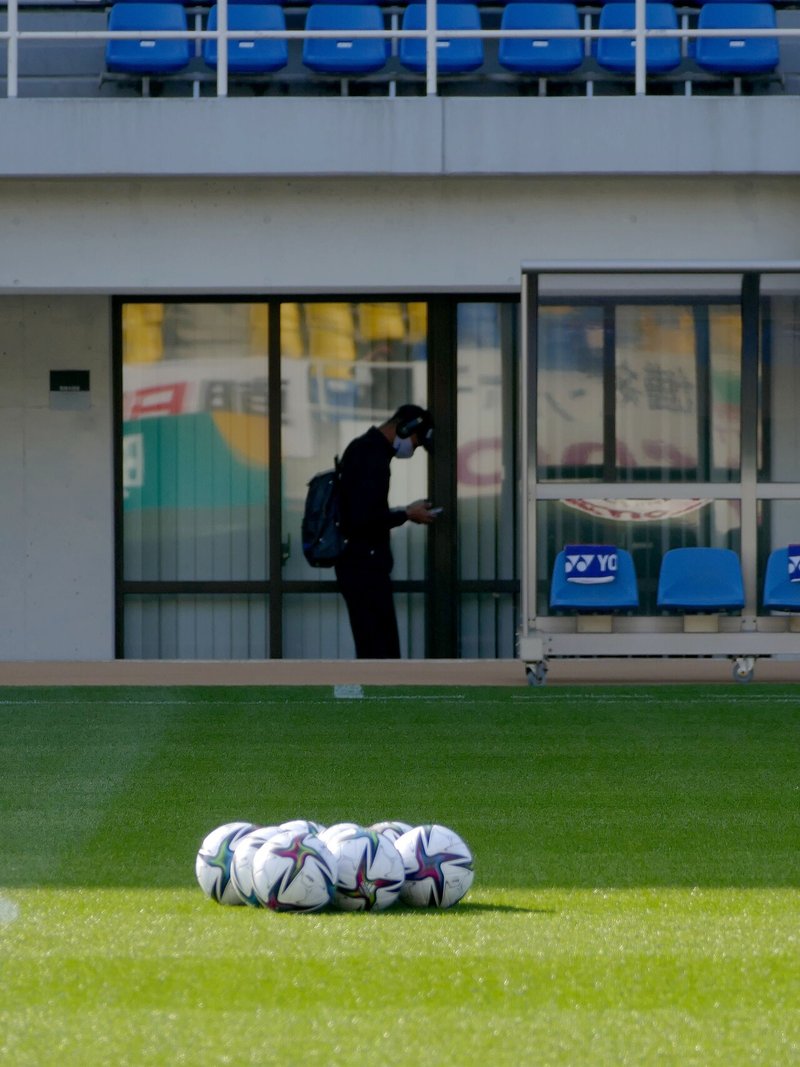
(302, 866)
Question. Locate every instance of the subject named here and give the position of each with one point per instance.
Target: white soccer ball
(294, 872)
(214, 858)
(242, 863)
(392, 829)
(438, 867)
(330, 833)
(302, 826)
(370, 871)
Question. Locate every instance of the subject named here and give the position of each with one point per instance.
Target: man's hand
(421, 511)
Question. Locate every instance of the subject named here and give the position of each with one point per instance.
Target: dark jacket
(364, 495)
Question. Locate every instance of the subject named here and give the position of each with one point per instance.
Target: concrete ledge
(266, 672)
(383, 672)
(429, 136)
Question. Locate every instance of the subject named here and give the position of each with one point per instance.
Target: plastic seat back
(541, 55)
(345, 55)
(620, 594)
(737, 55)
(454, 55)
(148, 55)
(250, 56)
(700, 580)
(782, 580)
(618, 54)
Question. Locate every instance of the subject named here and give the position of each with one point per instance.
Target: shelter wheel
(536, 673)
(744, 668)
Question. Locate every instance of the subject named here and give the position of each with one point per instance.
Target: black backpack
(323, 540)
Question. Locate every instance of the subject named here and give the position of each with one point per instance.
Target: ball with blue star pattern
(213, 862)
(370, 871)
(439, 867)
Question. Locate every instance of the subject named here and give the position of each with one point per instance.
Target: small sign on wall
(69, 390)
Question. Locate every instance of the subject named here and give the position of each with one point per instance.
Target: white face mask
(403, 447)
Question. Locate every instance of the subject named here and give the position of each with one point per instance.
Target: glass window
(195, 421)
(486, 481)
(315, 626)
(488, 626)
(196, 627)
(346, 367)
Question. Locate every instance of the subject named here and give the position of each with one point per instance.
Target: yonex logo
(590, 564)
(793, 557)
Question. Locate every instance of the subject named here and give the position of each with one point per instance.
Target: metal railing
(640, 34)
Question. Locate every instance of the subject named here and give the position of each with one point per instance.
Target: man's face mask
(403, 447)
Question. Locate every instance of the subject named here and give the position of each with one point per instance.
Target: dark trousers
(367, 592)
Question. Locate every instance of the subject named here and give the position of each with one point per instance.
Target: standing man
(364, 569)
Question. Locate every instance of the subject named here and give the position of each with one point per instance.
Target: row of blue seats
(690, 580)
(535, 56)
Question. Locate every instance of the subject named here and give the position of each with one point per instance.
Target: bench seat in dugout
(541, 56)
(260, 55)
(702, 580)
(618, 54)
(620, 594)
(781, 587)
(345, 55)
(147, 55)
(737, 56)
(455, 55)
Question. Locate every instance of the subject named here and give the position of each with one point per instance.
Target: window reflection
(487, 337)
(780, 380)
(195, 432)
(639, 392)
(346, 367)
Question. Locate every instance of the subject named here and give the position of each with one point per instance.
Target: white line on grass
(527, 695)
(442, 697)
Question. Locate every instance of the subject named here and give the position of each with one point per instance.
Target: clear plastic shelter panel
(637, 377)
(779, 378)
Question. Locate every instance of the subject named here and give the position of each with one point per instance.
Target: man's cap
(412, 419)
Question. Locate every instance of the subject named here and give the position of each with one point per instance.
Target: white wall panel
(56, 552)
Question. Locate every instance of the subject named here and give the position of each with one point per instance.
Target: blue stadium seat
(147, 56)
(780, 592)
(621, 594)
(345, 55)
(256, 56)
(737, 55)
(541, 55)
(454, 55)
(618, 54)
(700, 580)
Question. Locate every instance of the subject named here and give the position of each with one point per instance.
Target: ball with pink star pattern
(438, 864)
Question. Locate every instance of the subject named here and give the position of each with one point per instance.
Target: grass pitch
(635, 900)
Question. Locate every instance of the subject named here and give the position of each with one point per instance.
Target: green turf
(635, 901)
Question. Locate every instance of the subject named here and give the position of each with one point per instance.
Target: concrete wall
(320, 235)
(56, 550)
(307, 136)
